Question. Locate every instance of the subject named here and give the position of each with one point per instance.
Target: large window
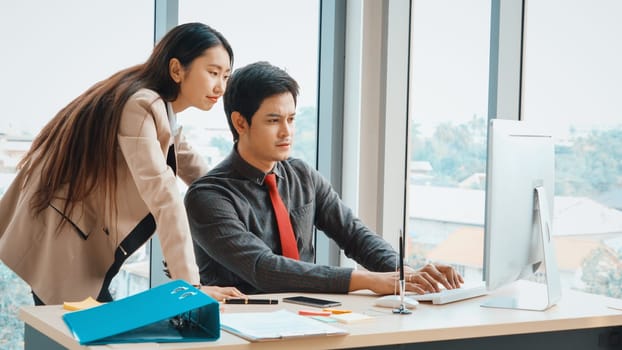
(51, 52)
(56, 55)
(284, 33)
(448, 111)
(289, 41)
(570, 84)
(257, 31)
(572, 77)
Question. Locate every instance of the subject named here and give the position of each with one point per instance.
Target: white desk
(580, 320)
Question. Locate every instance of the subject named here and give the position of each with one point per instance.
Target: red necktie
(288, 241)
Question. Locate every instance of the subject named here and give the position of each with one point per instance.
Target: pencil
(251, 301)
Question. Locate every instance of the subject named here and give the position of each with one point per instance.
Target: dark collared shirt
(236, 239)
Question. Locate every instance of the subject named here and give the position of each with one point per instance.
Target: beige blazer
(62, 266)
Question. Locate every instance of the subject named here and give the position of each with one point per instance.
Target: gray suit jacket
(236, 236)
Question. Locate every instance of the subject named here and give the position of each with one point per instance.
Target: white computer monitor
(520, 180)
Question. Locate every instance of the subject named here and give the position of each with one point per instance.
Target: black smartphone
(311, 301)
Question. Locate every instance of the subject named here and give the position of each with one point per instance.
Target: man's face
(270, 136)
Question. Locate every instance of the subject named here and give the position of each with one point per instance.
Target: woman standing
(100, 177)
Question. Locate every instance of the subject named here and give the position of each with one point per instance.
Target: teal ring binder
(178, 289)
(187, 294)
(159, 314)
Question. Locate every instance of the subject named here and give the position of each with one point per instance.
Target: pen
(402, 309)
(402, 284)
(251, 301)
(401, 257)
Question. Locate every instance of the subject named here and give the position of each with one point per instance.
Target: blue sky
(52, 51)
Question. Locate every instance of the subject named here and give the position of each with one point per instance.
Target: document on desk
(275, 325)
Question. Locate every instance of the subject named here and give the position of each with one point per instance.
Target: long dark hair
(78, 147)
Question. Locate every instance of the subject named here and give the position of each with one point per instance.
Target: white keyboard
(445, 296)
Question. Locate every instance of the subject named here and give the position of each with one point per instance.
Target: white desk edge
(461, 320)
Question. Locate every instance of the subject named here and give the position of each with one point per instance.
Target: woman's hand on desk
(221, 293)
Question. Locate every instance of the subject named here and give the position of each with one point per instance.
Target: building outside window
(448, 109)
(52, 52)
(572, 86)
(282, 32)
(58, 55)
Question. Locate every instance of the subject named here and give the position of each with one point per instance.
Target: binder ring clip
(187, 294)
(179, 289)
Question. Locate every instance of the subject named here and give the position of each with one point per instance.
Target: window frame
(363, 101)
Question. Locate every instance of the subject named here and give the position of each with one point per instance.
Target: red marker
(313, 313)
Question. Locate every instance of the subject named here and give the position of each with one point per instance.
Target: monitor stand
(553, 284)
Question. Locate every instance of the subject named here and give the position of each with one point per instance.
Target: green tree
(454, 151)
(585, 165)
(14, 293)
(589, 165)
(602, 272)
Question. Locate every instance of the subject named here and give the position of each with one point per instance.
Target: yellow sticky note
(337, 311)
(80, 305)
(351, 317)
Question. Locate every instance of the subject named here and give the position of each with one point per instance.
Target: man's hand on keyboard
(428, 278)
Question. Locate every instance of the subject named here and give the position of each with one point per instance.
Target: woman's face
(203, 82)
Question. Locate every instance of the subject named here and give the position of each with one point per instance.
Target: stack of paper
(282, 324)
